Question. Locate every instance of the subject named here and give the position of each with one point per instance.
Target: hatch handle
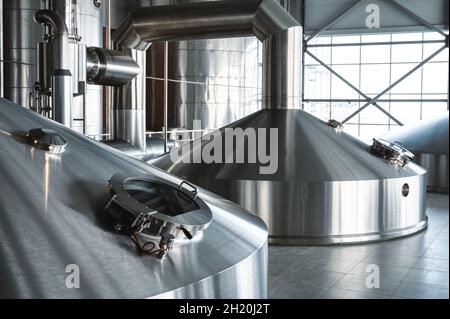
(192, 190)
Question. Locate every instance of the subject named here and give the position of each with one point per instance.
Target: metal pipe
(266, 19)
(108, 45)
(59, 29)
(166, 95)
(109, 67)
(62, 87)
(213, 19)
(62, 96)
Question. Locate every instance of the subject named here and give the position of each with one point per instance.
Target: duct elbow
(126, 36)
(52, 19)
(271, 18)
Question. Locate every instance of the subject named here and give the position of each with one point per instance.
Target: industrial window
(371, 63)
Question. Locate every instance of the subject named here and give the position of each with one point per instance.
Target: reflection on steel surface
(280, 33)
(227, 260)
(19, 44)
(329, 188)
(428, 140)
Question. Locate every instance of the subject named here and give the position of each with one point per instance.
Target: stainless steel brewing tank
(52, 216)
(428, 140)
(328, 188)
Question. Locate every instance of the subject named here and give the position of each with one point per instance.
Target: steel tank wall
(428, 141)
(217, 81)
(19, 48)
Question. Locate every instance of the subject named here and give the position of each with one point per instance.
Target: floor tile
(386, 258)
(409, 289)
(336, 293)
(411, 267)
(387, 272)
(428, 276)
(437, 253)
(309, 277)
(432, 264)
(358, 283)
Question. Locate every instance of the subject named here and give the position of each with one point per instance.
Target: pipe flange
(393, 152)
(97, 3)
(336, 125)
(47, 140)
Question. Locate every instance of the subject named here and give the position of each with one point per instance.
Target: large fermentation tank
(19, 49)
(52, 217)
(328, 187)
(428, 140)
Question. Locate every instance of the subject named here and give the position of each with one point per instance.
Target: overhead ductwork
(266, 19)
(428, 140)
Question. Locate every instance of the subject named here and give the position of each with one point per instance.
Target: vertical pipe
(108, 45)
(62, 96)
(282, 69)
(166, 88)
(1, 48)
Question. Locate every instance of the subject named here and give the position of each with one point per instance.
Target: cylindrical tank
(54, 221)
(324, 187)
(19, 49)
(428, 140)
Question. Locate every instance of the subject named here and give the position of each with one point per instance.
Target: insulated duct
(109, 67)
(280, 33)
(59, 31)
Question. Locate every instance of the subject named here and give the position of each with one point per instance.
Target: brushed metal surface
(51, 215)
(154, 148)
(217, 81)
(428, 140)
(129, 107)
(62, 97)
(83, 19)
(110, 67)
(20, 38)
(328, 187)
(266, 19)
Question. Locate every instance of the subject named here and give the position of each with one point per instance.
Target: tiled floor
(411, 267)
